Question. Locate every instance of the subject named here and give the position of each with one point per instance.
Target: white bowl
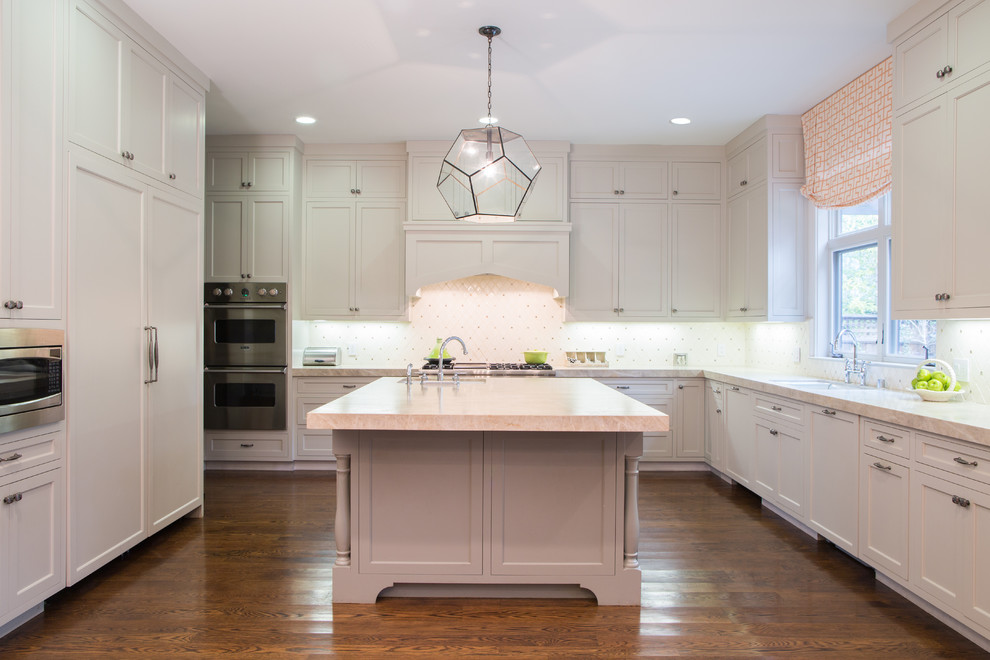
(929, 395)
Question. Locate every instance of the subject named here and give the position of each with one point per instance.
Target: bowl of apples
(933, 384)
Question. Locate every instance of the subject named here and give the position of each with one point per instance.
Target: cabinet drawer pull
(776, 408)
(826, 411)
(881, 466)
(349, 387)
(622, 387)
(733, 389)
(12, 457)
(884, 439)
(17, 497)
(773, 431)
(961, 501)
(963, 461)
(247, 444)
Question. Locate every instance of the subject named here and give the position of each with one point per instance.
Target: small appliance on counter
(321, 356)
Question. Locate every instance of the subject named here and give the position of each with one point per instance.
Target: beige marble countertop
(957, 419)
(488, 404)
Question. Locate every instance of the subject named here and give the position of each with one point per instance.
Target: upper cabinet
(939, 161)
(260, 172)
(126, 104)
(615, 180)
(546, 201)
(252, 203)
(766, 220)
(31, 225)
(343, 179)
(646, 224)
(929, 58)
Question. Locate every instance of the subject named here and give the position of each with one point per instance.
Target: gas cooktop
(493, 369)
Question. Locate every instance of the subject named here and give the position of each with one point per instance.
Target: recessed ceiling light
(680, 121)
(303, 119)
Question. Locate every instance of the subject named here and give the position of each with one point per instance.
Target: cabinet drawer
(955, 457)
(888, 439)
(641, 387)
(247, 447)
(29, 452)
(332, 386)
(783, 410)
(306, 404)
(313, 445)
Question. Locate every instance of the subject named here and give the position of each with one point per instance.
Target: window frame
(829, 244)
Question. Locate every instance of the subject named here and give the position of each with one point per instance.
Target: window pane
(856, 294)
(911, 338)
(856, 218)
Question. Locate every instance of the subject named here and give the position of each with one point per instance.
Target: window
(854, 287)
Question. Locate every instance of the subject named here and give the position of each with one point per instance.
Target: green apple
(914, 383)
(941, 377)
(924, 374)
(957, 388)
(935, 385)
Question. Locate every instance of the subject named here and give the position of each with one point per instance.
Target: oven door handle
(236, 306)
(222, 370)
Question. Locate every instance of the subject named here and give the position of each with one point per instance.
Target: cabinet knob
(622, 192)
(357, 309)
(718, 411)
(353, 191)
(943, 72)
(673, 310)
(9, 304)
(675, 192)
(680, 387)
(358, 191)
(615, 310)
(743, 182)
(744, 309)
(621, 309)
(773, 432)
(17, 497)
(961, 501)
(615, 192)
(172, 176)
(19, 304)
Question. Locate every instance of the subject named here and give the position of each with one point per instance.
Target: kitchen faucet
(442, 347)
(854, 366)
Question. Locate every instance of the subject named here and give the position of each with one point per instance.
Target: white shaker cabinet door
(175, 400)
(185, 138)
(644, 268)
(225, 227)
(594, 252)
(96, 61)
(328, 234)
(267, 246)
(145, 111)
(695, 254)
(379, 252)
(107, 490)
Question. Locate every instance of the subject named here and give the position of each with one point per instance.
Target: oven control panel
(244, 292)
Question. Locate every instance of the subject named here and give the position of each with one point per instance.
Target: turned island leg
(631, 522)
(342, 520)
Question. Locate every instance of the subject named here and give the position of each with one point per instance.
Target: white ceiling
(584, 71)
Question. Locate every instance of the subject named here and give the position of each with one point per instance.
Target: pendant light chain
(489, 79)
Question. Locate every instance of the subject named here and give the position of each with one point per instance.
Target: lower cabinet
(715, 425)
(883, 513)
(950, 542)
(780, 469)
(683, 400)
(740, 443)
(247, 446)
(309, 393)
(834, 493)
(32, 538)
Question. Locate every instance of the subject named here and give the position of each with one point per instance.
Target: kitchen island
(493, 486)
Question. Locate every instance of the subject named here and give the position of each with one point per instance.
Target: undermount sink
(814, 384)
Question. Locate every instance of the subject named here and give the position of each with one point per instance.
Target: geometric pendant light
(488, 171)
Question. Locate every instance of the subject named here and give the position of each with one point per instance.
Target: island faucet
(853, 367)
(442, 347)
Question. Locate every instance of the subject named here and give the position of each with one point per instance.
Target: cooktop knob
(228, 291)
(262, 292)
(217, 291)
(273, 292)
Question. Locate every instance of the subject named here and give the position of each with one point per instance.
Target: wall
(499, 318)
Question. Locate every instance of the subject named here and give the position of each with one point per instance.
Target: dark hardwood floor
(722, 577)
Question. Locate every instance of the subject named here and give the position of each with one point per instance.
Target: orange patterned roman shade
(847, 140)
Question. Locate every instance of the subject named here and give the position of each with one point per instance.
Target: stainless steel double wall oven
(245, 382)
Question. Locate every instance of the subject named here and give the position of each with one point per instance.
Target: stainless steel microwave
(30, 377)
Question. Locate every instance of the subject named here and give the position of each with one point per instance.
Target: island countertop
(491, 404)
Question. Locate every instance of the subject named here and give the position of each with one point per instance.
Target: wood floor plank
(722, 578)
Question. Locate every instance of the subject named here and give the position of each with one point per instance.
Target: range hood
(531, 251)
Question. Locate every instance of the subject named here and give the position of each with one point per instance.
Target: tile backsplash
(499, 318)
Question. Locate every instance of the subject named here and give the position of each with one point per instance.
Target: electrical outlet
(796, 354)
(619, 350)
(352, 350)
(961, 366)
(720, 349)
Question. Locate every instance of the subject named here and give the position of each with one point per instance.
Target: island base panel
(473, 506)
